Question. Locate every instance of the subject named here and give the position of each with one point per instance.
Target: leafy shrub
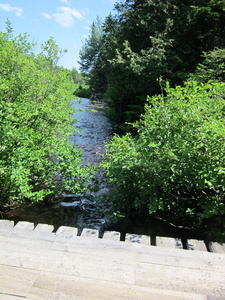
(83, 91)
(212, 68)
(176, 163)
(36, 119)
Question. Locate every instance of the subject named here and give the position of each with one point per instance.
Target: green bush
(176, 163)
(82, 91)
(212, 68)
(36, 119)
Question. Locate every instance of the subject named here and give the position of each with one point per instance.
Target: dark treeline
(130, 54)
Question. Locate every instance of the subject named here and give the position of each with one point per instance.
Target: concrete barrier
(167, 242)
(40, 264)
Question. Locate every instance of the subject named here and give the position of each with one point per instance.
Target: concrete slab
(16, 281)
(31, 234)
(24, 225)
(70, 288)
(150, 254)
(67, 231)
(217, 247)
(44, 227)
(169, 242)
(61, 267)
(137, 238)
(6, 223)
(111, 235)
(93, 233)
(196, 245)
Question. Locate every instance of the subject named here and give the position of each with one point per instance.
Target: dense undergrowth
(36, 118)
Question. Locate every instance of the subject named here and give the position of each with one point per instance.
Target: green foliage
(91, 47)
(36, 160)
(82, 91)
(78, 78)
(212, 68)
(92, 60)
(176, 163)
(147, 40)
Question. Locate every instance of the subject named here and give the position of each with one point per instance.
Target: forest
(159, 69)
(131, 54)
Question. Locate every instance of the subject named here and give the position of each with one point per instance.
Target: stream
(83, 211)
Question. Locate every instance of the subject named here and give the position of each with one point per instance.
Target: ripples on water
(95, 128)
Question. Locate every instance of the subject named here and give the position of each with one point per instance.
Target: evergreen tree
(91, 48)
(152, 39)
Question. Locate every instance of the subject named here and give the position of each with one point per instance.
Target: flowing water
(82, 211)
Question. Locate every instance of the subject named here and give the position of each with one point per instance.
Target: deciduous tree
(36, 160)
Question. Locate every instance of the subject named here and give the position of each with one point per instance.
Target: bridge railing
(168, 242)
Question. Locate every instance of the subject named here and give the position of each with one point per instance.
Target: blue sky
(68, 21)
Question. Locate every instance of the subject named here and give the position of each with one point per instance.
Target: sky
(67, 21)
